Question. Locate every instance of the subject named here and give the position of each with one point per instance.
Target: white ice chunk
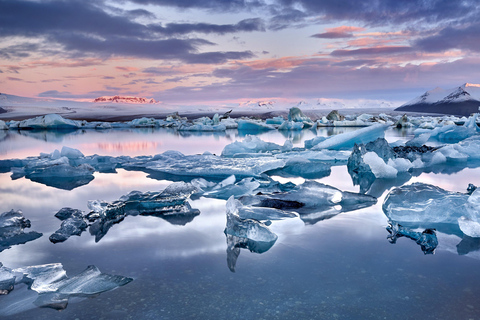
(379, 168)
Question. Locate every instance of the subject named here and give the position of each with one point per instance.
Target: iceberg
(245, 233)
(252, 145)
(73, 223)
(427, 239)
(12, 225)
(49, 121)
(347, 140)
(170, 204)
(302, 167)
(246, 228)
(427, 206)
(314, 201)
(253, 125)
(296, 115)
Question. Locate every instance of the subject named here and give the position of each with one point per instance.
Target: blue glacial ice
(228, 187)
(426, 206)
(427, 239)
(12, 225)
(347, 140)
(250, 125)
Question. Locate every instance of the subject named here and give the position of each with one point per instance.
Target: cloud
(338, 32)
(465, 38)
(371, 51)
(246, 25)
(80, 29)
(214, 5)
(355, 63)
(386, 12)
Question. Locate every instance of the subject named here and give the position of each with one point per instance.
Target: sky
(192, 51)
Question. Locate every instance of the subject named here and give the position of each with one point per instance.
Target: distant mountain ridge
(463, 101)
(124, 99)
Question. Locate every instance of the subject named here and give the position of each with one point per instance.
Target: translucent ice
(234, 244)
(41, 278)
(250, 145)
(176, 163)
(12, 225)
(224, 189)
(254, 126)
(347, 140)
(246, 228)
(427, 206)
(314, 201)
(170, 204)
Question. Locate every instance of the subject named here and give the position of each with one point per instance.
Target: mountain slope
(463, 101)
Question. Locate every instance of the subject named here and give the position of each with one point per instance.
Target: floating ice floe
(314, 201)
(430, 207)
(296, 115)
(12, 226)
(49, 286)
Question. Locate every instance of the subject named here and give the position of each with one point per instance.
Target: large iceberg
(421, 205)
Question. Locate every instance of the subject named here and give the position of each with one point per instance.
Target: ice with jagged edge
(314, 201)
(73, 223)
(12, 225)
(347, 140)
(170, 204)
(226, 188)
(246, 228)
(49, 286)
(245, 233)
(427, 239)
(449, 132)
(427, 206)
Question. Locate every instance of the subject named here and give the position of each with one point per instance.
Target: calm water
(340, 268)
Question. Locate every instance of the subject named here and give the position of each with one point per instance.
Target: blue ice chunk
(347, 140)
(253, 125)
(427, 239)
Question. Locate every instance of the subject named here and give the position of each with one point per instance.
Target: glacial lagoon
(347, 263)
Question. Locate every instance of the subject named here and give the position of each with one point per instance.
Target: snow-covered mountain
(463, 100)
(124, 99)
